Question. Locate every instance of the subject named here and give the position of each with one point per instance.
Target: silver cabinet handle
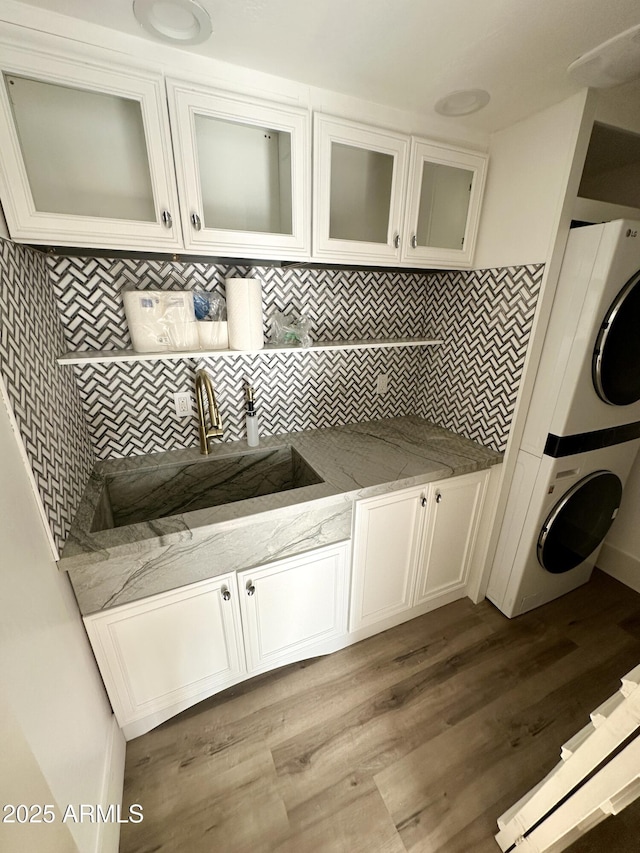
(438, 497)
(396, 241)
(414, 241)
(167, 219)
(225, 593)
(196, 222)
(423, 501)
(251, 590)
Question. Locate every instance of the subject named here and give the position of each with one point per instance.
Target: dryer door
(579, 522)
(616, 357)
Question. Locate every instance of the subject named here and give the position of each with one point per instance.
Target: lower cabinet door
(386, 537)
(167, 652)
(295, 608)
(451, 526)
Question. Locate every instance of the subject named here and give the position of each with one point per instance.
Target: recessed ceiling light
(175, 21)
(463, 102)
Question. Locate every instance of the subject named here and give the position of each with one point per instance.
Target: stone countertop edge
(355, 461)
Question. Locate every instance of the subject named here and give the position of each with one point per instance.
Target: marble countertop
(109, 567)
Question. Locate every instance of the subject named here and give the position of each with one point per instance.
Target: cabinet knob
(167, 219)
(423, 501)
(196, 222)
(396, 241)
(225, 593)
(251, 590)
(438, 497)
(414, 241)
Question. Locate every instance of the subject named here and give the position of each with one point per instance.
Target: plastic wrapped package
(211, 315)
(161, 320)
(287, 331)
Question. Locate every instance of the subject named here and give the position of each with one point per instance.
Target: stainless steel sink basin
(157, 492)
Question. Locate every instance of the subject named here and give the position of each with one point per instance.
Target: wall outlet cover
(183, 404)
(382, 383)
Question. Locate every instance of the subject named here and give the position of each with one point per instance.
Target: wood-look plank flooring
(413, 741)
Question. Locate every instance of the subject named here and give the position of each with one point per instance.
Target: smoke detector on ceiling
(174, 21)
(612, 63)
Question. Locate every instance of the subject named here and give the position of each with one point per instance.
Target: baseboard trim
(620, 565)
(108, 839)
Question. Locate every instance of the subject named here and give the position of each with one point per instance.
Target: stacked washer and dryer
(583, 427)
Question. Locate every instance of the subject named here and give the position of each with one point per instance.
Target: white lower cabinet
(413, 550)
(164, 653)
(295, 608)
(384, 556)
(453, 513)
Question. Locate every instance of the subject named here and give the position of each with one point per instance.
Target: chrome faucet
(214, 430)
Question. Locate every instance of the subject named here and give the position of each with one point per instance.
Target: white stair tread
(577, 740)
(604, 711)
(611, 723)
(630, 681)
(607, 792)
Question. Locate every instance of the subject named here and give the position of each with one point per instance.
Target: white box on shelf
(161, 320)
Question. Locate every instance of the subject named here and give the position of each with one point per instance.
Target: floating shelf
(104, 356)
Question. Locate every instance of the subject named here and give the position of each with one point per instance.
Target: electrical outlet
(183, 403)
(382, 383)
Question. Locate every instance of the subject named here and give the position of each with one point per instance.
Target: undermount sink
(157, 492)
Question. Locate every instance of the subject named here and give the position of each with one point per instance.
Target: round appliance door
(579, 522)
(616, 357)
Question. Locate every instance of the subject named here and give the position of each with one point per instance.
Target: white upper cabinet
(381, 197)
(443, 205)
(101, 155)
(359, 182)
(86, 154)
(243, 173)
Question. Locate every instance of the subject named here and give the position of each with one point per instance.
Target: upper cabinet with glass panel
(94, 154)
(359, 175)
(380, 197)
(443, 205)
(85, 154)
(243, 173)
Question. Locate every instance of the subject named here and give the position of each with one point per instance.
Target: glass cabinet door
(85, 150)
(359, 175)
(242, 172)
(445, 187)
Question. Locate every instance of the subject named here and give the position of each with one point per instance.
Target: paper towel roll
(244, 313)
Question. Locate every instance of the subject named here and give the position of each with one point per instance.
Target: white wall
(56, 720)
(530, 164)
(22, 781)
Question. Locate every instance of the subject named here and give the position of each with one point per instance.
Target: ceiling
(406, 53)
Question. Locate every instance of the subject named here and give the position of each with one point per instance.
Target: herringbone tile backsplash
(43, 395)
(468, 384)
(484, 318)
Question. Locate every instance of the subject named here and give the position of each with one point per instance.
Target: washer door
(579, 522)
(616, 357)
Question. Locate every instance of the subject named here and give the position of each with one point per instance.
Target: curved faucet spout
(214, 427)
